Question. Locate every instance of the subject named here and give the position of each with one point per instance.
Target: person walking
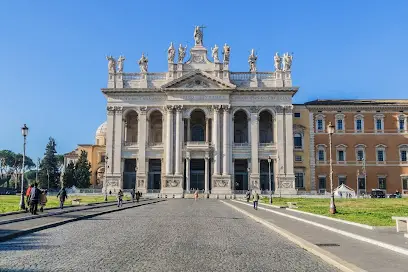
(120, 198)
(248, 195)
(34, 199)
(43, 200)
(196, 195)
(256, 199)
(62, 194)
(132, 193)
(28, 192)
(138, 195)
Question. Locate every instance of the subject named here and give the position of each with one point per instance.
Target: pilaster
(118, 129)
(288, 182)
(215, 139)
(254, 176)
(141, 175)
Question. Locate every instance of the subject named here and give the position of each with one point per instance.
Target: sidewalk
(12, 230)
(362, 254)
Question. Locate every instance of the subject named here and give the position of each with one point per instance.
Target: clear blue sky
(53, 53)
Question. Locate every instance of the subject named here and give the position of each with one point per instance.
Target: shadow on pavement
(27, 242)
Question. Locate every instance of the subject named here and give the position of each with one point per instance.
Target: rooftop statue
(171, 52)
(111, 64)
(287, 62)
(198, 36)
(278, 62)
(252, 61)
(181, 53)
(226, 53)
(143, 64)
(214, 53)
(121, 62)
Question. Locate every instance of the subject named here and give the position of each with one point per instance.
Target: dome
(101, 131)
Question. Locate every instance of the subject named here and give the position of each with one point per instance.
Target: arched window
(240, 127)
(265, 127)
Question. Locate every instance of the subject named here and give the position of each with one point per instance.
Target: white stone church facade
(200, 126)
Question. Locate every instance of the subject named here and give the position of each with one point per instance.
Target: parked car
(375, 193)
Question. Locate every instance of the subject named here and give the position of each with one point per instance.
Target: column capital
(143, 110)
(216, 108)
(118, 109)
(254, 109)
(110, 110)
(288, 108)
(226, 108)
(169, 108)
(178, 108)
(279, 109)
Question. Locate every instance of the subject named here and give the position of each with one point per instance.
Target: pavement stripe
(338, 231)
(323, 254)
(59, 223)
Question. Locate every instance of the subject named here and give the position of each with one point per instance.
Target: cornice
(353, 108)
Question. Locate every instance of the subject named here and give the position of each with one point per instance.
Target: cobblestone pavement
(176, 235)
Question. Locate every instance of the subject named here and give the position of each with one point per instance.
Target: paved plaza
(175, 235)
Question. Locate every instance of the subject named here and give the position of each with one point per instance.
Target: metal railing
(153, 191)
(245, 76)
(130, 143)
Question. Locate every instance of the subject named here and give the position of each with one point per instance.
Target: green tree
(69, 175)
(49, 170)
(82, 174)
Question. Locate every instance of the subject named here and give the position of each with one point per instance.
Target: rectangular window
(360, 155)
(297, 114)
(359, 125)
(320, 125)
(405, 183)
(322, 182)
(342, 180)
(403, 155)
(339, 124)
(379, 124)
(299, 180)
(102, 158)
(402, 124)
(380, 155)
(298, 158)
(297, 141)
(382, 183)
(340, 155)
(321, 155)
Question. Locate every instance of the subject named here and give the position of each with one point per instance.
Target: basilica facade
(200, 126)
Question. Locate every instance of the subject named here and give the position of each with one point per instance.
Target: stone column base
(287, 185)
(112, 184)
(255, 183)
(221, 185)
(172, 185)
(141, 183)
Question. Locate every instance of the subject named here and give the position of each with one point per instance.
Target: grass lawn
(11, 203)
(370, 211)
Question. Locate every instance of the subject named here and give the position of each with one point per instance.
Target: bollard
(165, 196)
(158, 196)
(218, 197)
(173, 195)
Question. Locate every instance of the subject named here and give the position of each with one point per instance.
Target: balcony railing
(241, 144)
(197, 144)
(130, 143)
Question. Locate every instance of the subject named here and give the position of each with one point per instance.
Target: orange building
(369, 144)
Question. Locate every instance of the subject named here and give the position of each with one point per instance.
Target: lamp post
(330, 130)
(249, 180)
(24, 132)
(105, 179)
(270, 181)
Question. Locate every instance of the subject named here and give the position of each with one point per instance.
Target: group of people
(36, 196)
(255, 198)
(135, 195)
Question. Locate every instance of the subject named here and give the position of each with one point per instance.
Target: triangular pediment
(198, 79)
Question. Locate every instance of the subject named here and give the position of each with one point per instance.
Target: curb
(47, 209)
(56, 224)
(315, 250)
(84, 208)
(397, 249)
(335, 219)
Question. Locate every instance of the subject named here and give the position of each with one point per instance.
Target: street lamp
(330, 130)
(24, 132)
(270, 181)
(105, 180)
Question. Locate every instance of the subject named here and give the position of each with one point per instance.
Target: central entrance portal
(197, 180)
(241, 175)
(154, 179)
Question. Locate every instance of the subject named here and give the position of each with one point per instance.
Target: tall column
(142, 139)
(215, 139)
(206, 180)
(225, 141)
(118, 129)
(207, 129)
(289, 141)
(188, 129)
(188, 171)
(281, 139)
(125, 128)
(275, 174)
(254, 177)
(169, 138)
(178, 139)
(109, 138)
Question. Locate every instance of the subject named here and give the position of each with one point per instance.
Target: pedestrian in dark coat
(34, 199)
(62, 194)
